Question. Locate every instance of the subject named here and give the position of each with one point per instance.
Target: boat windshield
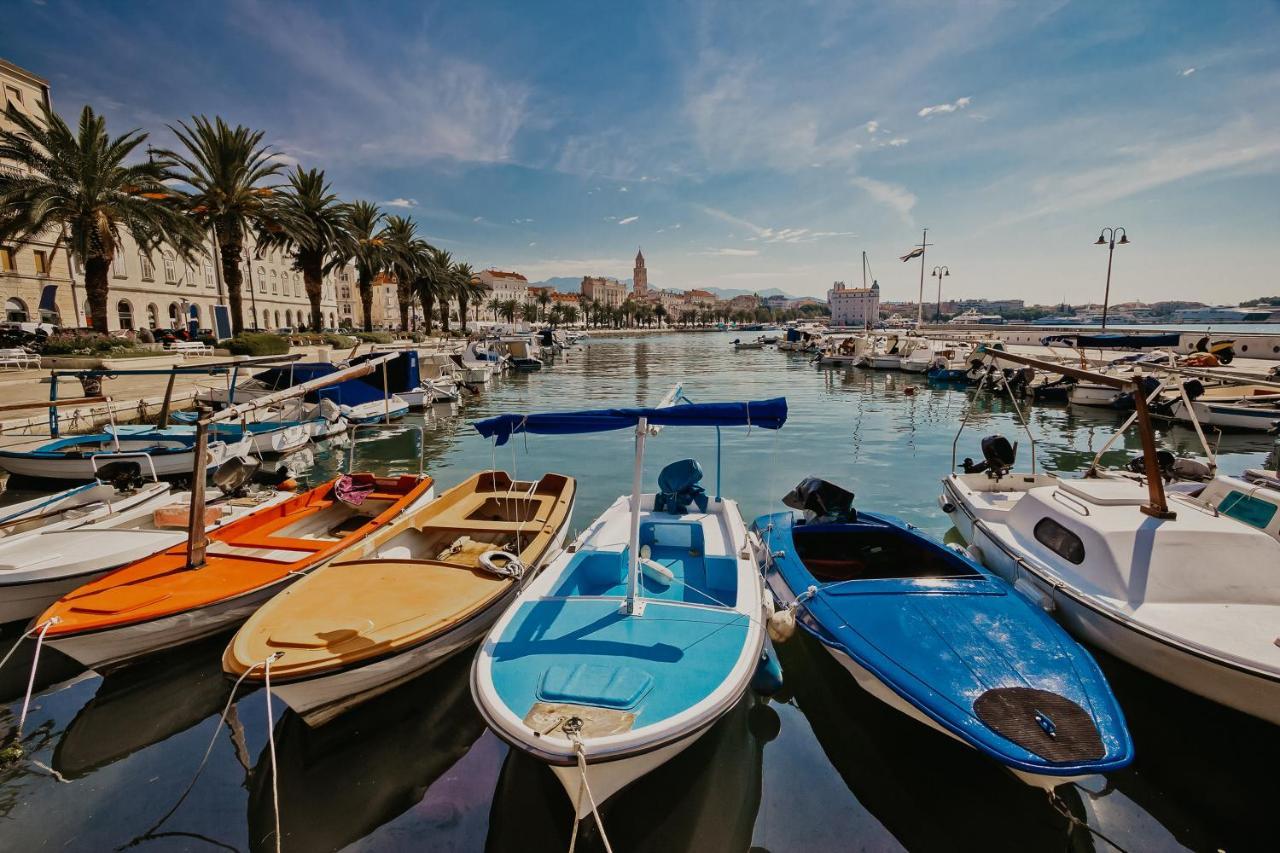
(834, 554)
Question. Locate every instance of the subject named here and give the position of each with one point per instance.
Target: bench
(18, 359)
(190, 348)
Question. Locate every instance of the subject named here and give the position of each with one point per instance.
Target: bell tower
(640, 276)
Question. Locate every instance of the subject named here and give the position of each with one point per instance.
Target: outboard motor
(678, 488)
(998, 456)
(1194, 389)
(124, 476)
(1165, 461)
(822, 501)
(234, 474)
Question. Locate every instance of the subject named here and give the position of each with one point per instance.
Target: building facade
(606, 291)
(857, 307)
(505, 286)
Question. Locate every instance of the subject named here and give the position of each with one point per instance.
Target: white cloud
(622, 189)
(402, 202)
(897, 142)
(772, 235)
(897, 198)
(872, 126)
(730, 253)
(1187, 72)
(533, 244)
(958, 104)
(628, 220)
(477, 219)
(548, 267)
(519, 221)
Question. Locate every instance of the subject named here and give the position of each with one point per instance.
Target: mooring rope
(222, 719)
(1061, 808)
(31, 679)
(271, 743)
(572, 729)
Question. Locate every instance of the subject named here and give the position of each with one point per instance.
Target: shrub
(146, 336)
(250, 343)
(374, 337)
(338, 341)
(73, 344)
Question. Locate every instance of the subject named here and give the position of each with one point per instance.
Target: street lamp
(1108, 238)
(939, 272)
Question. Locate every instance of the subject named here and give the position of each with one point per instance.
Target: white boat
(632, 644)
(37, 570)
(1223, 409)
(1181, 584)
(758, 343)
(919, 359)
(844, 351)
(77, 457)
(74, 507)
(266, 438)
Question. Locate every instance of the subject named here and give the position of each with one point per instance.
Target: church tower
(640, 276)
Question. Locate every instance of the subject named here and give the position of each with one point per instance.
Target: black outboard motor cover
(1194, 388)
(822, 501)
(123, 474)
(998, 456)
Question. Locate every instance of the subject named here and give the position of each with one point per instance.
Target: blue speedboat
(935, 635)
(362, 400)
(631, 644)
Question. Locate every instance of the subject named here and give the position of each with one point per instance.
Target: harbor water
(821, 766)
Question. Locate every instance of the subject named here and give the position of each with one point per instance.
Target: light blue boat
(935, 635)
(631, 644)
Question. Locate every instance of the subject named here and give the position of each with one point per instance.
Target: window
(195, 313)
(153, 316)
(42, 262)
(13, 93)
(191, 277)
(1254, 512)
(148, 268)
(275, 282)
(208, 273)
(170, 268)
(262, 280)
(277, 319)
(119, 268)
(346, 293)
(346, 276)
(297, 285)
(125, 312)
(1059, 540)
(15, 310)
(173, 315)
(266, 318)
(8, 260)
(288, 319)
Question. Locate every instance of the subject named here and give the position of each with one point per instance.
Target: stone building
(856, 307)
(639, 277)
(505, 286)
(606, 291)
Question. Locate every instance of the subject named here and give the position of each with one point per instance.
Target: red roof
(501, 274)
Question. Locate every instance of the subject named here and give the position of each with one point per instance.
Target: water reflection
(706, 798)
(339, 782)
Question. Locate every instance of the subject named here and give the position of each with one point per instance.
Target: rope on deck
(572, 729)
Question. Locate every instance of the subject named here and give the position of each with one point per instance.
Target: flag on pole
(914, 253)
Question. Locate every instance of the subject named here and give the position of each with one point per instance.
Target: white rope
(271, 742)
(31, 680)
(571, 729)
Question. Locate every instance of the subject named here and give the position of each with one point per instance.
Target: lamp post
(1108, 238)
(939, 272)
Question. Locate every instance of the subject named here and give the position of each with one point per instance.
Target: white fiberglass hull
(166, 464)
(1164, 657)
(884, 362)
(1082, 394)
(281, 441)
(1232, 416)
(609, 777)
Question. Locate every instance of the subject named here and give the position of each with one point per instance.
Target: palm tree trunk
(96, 284)
(365, 283)
(444, 314)
(313, 281)
(229, 254)
(462, 311)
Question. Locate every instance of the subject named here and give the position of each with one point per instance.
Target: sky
(740, 144)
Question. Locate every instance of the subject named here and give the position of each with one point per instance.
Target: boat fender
(654, 570)
(502, 563)
(782, 624)
(1034, 594)
(768, 676)
(975, 553)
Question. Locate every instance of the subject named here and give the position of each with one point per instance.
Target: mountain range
(568, 284)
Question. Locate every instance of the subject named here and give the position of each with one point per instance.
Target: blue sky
(743, 145)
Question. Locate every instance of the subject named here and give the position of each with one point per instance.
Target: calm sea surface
(820, 767)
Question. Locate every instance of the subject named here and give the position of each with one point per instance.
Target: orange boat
(159, 602)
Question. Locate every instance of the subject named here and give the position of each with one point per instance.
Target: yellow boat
(356, 628)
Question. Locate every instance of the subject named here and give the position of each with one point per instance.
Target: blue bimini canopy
(766, 414)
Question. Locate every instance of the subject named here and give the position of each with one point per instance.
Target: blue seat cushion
(618, 687)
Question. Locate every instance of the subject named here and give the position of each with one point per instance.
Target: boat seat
(616, 687)
(250, 552)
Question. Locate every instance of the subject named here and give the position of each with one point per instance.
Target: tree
(315, 229)
(399, 238)
(368, 251)
(510, 308)
(435, 283)
(570, 314)
(544, 299)
(226, 168)
(494, 305)
(469, 289)
(77, 185)
(660, 311)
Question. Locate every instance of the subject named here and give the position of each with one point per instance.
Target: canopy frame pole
(632, 606)
(197, 538)
(718, 500)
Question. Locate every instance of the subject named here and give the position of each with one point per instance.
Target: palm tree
(368, 251)
(570, 314)
(468, 289)
(432, 282)
(544, 299)
(399, 239)
(510, 308)
(495, 305)
(529, 310)
(226, 168)
(77, 184)
(317, 233)
(660, 312)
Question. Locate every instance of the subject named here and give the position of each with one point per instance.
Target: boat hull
(1218, 681)
(168, 464)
